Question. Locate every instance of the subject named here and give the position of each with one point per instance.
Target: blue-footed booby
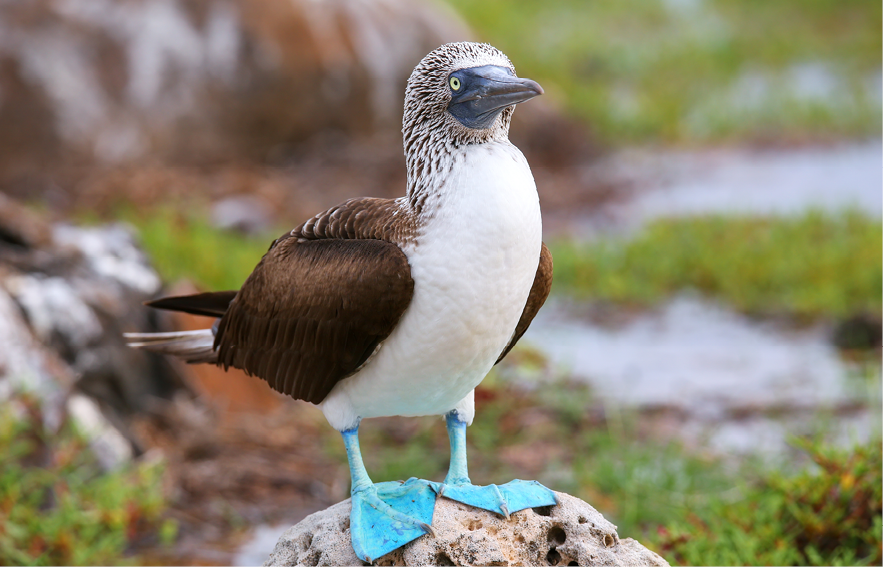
(400, 307)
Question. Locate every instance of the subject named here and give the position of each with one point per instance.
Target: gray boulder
(571, 533)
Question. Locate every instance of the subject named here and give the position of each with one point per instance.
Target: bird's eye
(455, 83)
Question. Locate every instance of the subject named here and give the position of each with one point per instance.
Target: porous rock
(571, 533)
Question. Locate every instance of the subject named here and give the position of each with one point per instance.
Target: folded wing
(313, 311)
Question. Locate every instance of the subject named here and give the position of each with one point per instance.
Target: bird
(400, 307)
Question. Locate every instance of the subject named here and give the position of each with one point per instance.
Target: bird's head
(464, 92)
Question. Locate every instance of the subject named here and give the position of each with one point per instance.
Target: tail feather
(191, 346)
(210, 304)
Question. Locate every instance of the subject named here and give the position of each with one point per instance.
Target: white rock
(53, 306)
(26, 367)
(110, 447)
(112, 253)
(571, 533)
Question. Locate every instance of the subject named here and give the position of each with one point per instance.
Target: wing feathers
(192, 346)
(317, 306)
(313, 311)
(212, 304)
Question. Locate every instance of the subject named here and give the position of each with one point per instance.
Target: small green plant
(827, 516)
(57, 507)
(814, 265)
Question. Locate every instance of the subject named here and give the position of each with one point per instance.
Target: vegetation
(188, 246)
(814, 265)
(57, 507)
(827, 516)
(698, 70)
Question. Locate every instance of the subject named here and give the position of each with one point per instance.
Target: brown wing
(321, 300)
(313, 311)
(539, 291)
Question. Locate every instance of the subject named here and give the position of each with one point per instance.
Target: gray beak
(485, 91)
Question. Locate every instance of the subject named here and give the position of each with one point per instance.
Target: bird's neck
(429, 161)
(433, 147)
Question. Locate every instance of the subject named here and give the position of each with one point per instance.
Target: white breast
(473, 265)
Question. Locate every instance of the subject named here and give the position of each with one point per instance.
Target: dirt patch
(229, 471)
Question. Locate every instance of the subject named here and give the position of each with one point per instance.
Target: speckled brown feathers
(429, 132)
(381, 219)
(539, 291)
(313, 311)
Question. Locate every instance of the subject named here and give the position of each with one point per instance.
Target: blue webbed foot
(505, 499)
(387, 515)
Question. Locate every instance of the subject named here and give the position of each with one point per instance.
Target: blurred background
(706, 372)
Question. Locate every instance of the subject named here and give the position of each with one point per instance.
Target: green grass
(57, 507)
(716, 70)
(810, 266)
(189, 247)
(830, 515)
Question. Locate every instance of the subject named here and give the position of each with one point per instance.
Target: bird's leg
(458, 471)
(510, 497)
(387, 515)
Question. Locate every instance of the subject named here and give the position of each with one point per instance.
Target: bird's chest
(477, 255)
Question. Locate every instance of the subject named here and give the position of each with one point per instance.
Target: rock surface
(571, 533)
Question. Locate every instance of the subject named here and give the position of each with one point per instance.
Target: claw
(505, 510)
(428, 529)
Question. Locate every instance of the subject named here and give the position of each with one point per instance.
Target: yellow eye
(455, 83)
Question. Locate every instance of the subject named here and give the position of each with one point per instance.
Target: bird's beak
(486, 91)
(493, 88)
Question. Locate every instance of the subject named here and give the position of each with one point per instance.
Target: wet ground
(738, 384)
(730, 181)
(744, 385)
(761, 182)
